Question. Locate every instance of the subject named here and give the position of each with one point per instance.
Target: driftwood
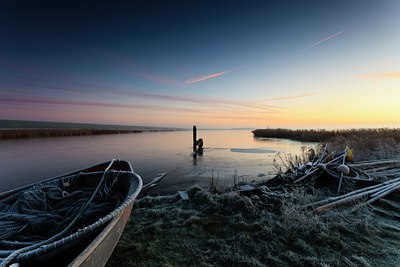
(385, 168)
(315, 169)
(339, 166)
(372, 163)
(152, 183)
(183, 195)
(384, 192)
(386, 173)
(381, 190)
(334, 167)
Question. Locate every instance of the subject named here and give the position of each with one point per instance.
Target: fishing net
(44, 210)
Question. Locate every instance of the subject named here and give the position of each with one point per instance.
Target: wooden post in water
(197, 144)
(194, 139)
(200, 146)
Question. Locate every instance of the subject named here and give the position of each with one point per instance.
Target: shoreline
(16, 129)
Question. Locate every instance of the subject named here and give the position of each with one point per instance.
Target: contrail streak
(321, 41)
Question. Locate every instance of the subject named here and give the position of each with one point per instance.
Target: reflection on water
(26, 161)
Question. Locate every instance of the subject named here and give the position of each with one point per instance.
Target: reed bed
(367, 144)
(322, 135)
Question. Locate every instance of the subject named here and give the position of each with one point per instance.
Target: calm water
(29, 160)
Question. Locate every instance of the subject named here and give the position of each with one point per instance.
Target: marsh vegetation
(367, 144)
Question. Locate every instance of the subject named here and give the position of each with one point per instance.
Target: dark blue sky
(178, 62)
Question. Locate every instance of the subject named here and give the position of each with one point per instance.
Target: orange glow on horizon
(394, 74)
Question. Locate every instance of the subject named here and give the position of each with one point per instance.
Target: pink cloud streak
(201, 100)
(290, 97)
(157, 79)
(210, 76)
(52, 101)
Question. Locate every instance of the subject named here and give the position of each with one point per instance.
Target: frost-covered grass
(231, 230)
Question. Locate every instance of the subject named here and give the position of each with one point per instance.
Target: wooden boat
(80, 245)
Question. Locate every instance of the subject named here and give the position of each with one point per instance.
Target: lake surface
(226, 152)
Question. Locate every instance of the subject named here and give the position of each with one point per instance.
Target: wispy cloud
(321, 41)
(209, 76)
(202, 101)
(54, 101)
(290, 97)
(32, 71)
(168, 81)
(157, 79)
(382, 75)
(117, 58)
(233, 117)
(188, 104)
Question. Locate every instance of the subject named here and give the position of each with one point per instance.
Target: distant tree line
(326, 135)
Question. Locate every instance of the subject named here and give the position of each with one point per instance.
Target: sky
(215, 64)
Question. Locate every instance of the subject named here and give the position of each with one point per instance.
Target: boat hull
(100, 249)
(93, 244)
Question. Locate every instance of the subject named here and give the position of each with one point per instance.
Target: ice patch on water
(253, 150)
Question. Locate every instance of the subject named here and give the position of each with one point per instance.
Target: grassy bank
(231, 230)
